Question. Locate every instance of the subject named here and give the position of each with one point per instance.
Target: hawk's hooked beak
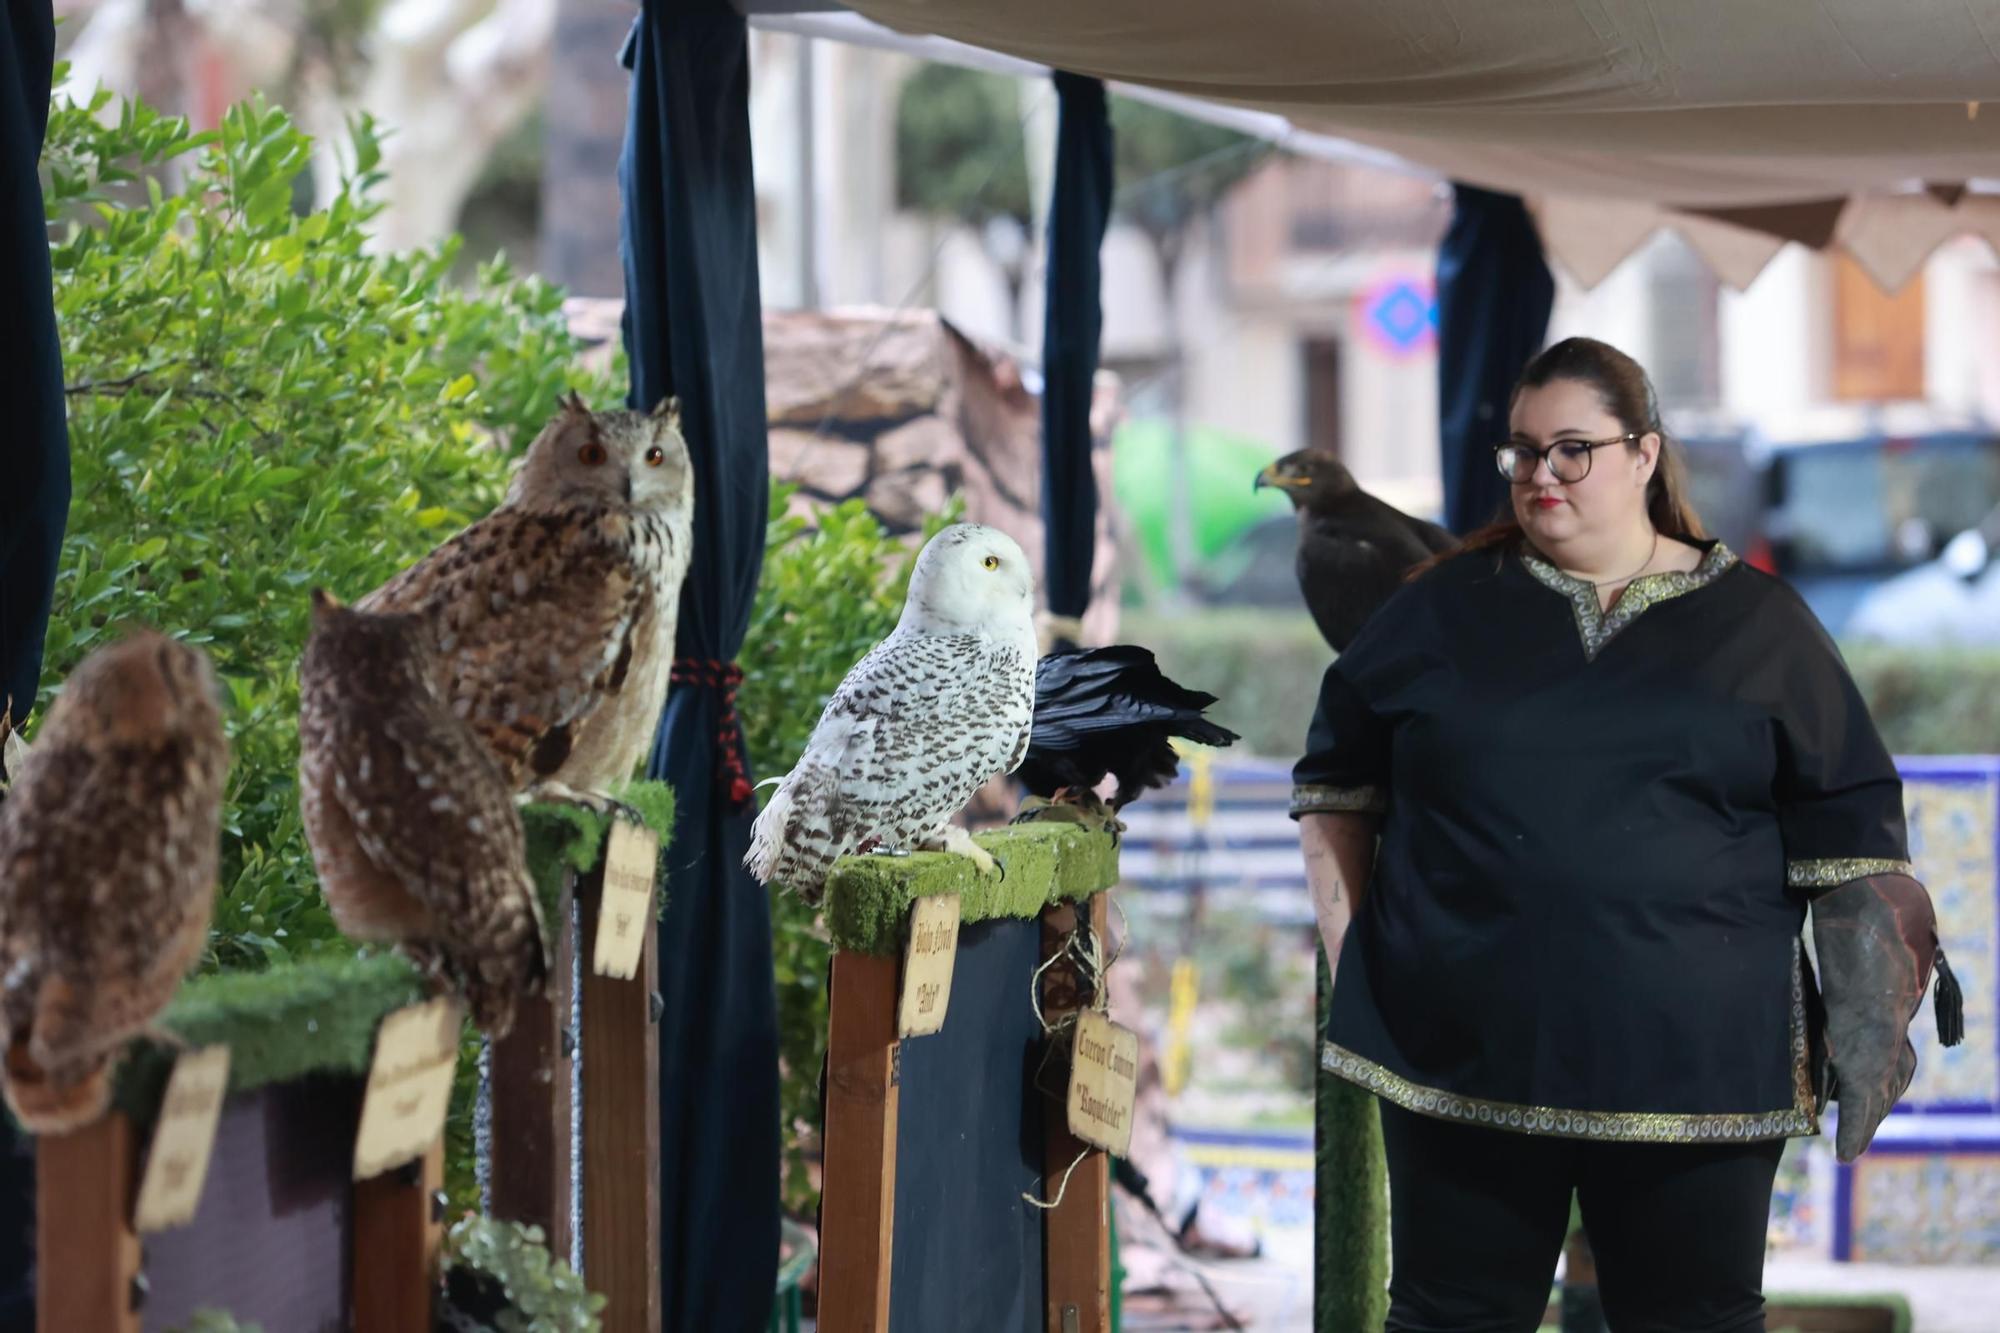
(1270, 476)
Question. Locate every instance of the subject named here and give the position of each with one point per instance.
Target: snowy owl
(940, 707)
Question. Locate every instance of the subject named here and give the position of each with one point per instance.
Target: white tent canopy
(1833, 122)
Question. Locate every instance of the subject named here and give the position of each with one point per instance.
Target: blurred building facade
(1304, 311)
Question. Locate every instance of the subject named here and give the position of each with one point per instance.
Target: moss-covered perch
(319, 1015)
(868, 897)
(564, 838)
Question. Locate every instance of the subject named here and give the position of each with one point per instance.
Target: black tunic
(1599, 835)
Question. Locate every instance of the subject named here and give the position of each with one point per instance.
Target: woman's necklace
(1650, 555)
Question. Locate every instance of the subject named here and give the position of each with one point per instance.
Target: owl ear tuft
(572, 402)
(668, 409)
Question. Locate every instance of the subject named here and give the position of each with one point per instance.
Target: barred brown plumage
(555, 614)
(110, 838)
(412, 825)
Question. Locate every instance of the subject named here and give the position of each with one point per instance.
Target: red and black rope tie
(724, 678)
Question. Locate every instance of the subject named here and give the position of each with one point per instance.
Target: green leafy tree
(961, 154)
(830, 590)
(1172, 171)
(258, 406)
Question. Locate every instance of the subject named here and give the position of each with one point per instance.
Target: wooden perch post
(621, 1129)
(398, 1236)
(1077, 1237)
(528, 1074)
(253, 1244)
(86, 1252)
(532, 1172)
(857, 1212)
(1050, 866)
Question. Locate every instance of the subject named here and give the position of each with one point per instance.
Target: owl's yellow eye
(655, 456)
(991, 562)
(591, 454)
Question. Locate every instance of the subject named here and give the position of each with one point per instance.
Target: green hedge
(1265, 667)
(1931, 702)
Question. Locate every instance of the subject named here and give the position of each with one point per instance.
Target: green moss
(1350, 1200)
(317, 1016)
(868, 897)
(564, 838)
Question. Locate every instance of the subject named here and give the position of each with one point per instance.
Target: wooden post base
(87, 1255)
(857, 1217)
(1076, 1253)
(398, 1234)
(621, 1128)
(528, 1073)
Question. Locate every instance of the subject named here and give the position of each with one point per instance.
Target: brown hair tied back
(1627, 394)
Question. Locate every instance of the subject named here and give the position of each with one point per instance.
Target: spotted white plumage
(940, 707)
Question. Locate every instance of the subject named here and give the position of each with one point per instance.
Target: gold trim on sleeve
(1831, 874)
(1315, 799)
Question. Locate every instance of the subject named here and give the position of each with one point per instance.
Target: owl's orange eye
(991, 562)
(655, 456)
(591, 454)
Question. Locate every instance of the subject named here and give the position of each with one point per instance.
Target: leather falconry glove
(1876, 941)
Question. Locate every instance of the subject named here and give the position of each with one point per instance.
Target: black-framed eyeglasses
(1568, 460)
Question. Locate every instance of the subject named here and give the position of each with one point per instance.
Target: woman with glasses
(1566, 800)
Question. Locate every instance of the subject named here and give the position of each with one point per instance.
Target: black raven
(1109, 712)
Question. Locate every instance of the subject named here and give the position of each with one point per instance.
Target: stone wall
(902, 410)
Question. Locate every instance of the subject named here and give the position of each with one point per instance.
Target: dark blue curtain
(693, 329)
(1493, 292)
(34, 470)
(1079, 210)
(34, 492)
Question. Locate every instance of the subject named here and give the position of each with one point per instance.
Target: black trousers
(1478, 1218)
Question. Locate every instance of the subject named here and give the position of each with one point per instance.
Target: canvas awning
(1843, 123)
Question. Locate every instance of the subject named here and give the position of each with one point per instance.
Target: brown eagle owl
(413, 829)
(109, 841)
(555, 613)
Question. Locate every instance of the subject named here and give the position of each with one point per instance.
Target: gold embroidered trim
(1597, 626)
(1831, 874)
(1609, 1126)
(1803, 1100)
(1313, 799)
